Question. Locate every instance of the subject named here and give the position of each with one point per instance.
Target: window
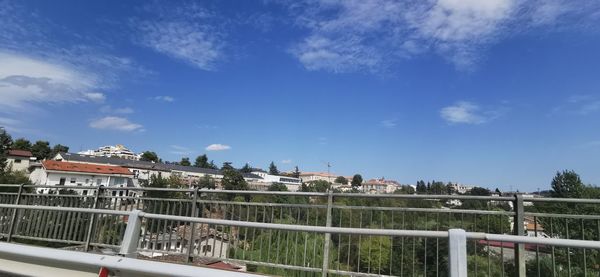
(98, 182)
(206, 248)
(73, 180)
(62, 181)
(84, 192)
(79, 185)
(17, 161)
(87, 181)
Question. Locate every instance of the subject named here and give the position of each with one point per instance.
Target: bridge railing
(142, 229)
(549, 217)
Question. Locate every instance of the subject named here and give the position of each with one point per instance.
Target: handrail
(88, 262)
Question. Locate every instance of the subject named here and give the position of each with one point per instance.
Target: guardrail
(342, 210)
(138, 222)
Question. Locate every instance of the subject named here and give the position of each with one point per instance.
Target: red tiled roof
(19, 153)
(87, 168)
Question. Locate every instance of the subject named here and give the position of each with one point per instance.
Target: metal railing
(287, 251)
(137, 221)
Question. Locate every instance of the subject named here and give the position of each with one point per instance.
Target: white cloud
(26, 80)
(463, 112)
(389, 123)
(164, 98)
(185, 33)
(286, 161)
(217, 147)
(116, 123)
(371, 35)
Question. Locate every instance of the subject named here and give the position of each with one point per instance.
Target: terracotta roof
(19, 153)
(87, 168)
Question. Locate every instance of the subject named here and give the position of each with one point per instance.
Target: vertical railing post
(457, 253)
(14, 215)
(88, 237)
(519, 230)
(327, 236)
(194, 213)
(131, 238)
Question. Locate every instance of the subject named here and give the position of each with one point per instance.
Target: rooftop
(19, 153)
(85, 168)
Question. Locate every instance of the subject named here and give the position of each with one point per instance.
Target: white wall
(18, 163)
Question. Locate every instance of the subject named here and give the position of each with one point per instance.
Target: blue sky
(498, 93)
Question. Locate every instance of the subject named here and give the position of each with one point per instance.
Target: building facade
(19, 160)
(59, 173)
(118, 151)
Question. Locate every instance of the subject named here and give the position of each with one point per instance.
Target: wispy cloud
(111, 110)
(579, 104)
(164, 98)
(218, 147)
(464, 112)
(372, 35)
(27, 80)
(286, 161)
(180, 150)
(389, 123)
(187, 33)
(116, 123)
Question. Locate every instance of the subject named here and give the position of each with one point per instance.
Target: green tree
(21, 144)
(567, 184)
(273, 169)
(41, 150)
(5, 144)
(356, 181)
(233, 180)
(246, 168)
(212, 165)
(205, 182)
(59, 148)
(315, 186)
(149, 156)
(341, 180)
(296, 172)
(374, 252)
(227, 166)
(185, 161)
(202, 161)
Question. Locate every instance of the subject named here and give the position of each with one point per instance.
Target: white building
(292, 183)
(143, 170)
(461, 189)
(113, 151)
(307, 177)
(19, 160)
(57, 173)
(380, 186)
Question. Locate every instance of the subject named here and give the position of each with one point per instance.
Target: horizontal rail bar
(563, 200)
(88, 262)
(65, 209)
(265, 192)
(537, 240)
(571, 216)
(432, 210)
(424, 196)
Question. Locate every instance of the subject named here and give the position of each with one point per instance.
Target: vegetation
(273, 169)
(149, 156)
(185, 161)
(356, 181)
(341, 180)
